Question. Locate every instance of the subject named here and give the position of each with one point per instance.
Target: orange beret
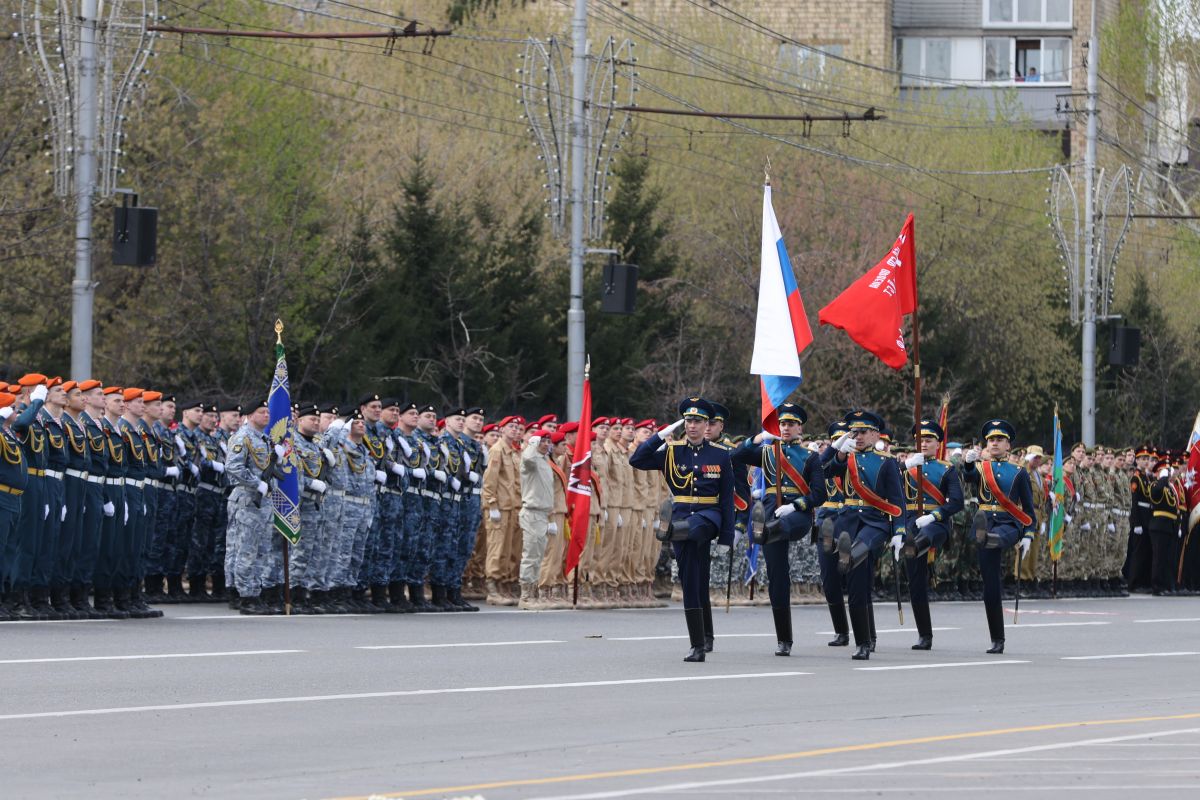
(50, 384)
(32, 379)
(132, 394)
(68, 386)
(7, 399)
(88, 385)
(150, 397)
(111, 389)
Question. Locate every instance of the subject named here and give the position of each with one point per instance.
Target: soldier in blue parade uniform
(1005, 518)
(937, 485)
(872, 513)
(825, 521)
(15, 497)
(699, 475)
(794, 487)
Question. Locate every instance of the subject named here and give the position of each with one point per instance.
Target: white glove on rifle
(39, 392)
(1025, 545)
(494, 515)
(971, 456)
(897, 546)
(552, 527)
(666, 432)
(466, 459)
(171, 472)
(784, 510)
(180, 445)
(405, 446)
(317, 485)
(263, 488)
(217, 466)
(126, 522)
(389, 444)
(380, 476)
(280, 452)
(924, 520)
(915, 460)
(398, 469)
(419, 473)
(108, 509)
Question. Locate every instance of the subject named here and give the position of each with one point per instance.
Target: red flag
(943, 417)
(579, 485)
(1191, 485)
(870, 310)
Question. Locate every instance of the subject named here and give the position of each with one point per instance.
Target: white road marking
(456, 644)
(719, 636)
(1176, 619)
(268, 701)
(891, 630)
(1131, 655)
(1056, 624)
(692, 786)
(149, 656)
(51, 622)
(946, 664)
(275, 616)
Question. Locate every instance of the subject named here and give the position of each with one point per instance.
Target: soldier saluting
(1005, 517)
(700, 477)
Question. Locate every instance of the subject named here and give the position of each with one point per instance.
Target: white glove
(1067, 518)
(263, 488)
(924, 520)
(620, 520)
(971, 456)
(336, 425)
(280, 452)
(915, 460)
(494, 515)
(39, 392)
(466, 459)
(643, 523)
(880, 446)
(389, 444)
(1138, 530)
(171, 472)
(766, 437)
(145, 509)
(425, 449)
(218, 467)
(846, 443)
(1111, 527)
(440, 475)
(180, 445)
(398, 469)
(108, 509)
(419, 473)
(46, 511)
(444, 449)
(380, 476)
(317, 485)
(1163, 473)
(756, 494)
(473, 477)
(455, 484)
(194, 470)
(897, 546)
(62, 517)
(535, 440)
(1025, 544)
(666, 432)
(784, 510)
(841, 440)
(606, 515)
(1087, 526)
(5, 413)
(330, 459)
(126, 522)
(224, 448)
(657, 524)
(552, 527)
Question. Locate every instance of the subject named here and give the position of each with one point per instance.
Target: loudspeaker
(619, 291)
(135, 236)
(1124, 346)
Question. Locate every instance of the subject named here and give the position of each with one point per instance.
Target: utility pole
(83, 289)
(579, 139)
(1088, 383)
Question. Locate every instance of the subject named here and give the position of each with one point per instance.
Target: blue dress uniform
(111, 589)
(22, 548)
(938, 486)
(872, 512)
(14, 480)
(206, 548)
(700, 477)
(47, 580)
(793, 488)
(94, 512)
(1005, 516)
(138, 469)
(75, 485)
(833, 584)
(1166, 508)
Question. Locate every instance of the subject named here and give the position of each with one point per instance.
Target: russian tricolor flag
(781, 332)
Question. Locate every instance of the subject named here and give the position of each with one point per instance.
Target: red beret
(553, 418)
(627, 420)
(568, 427)
(601, 421)
(32, 379)
(491, 426)
(647, 423)
(557, 436)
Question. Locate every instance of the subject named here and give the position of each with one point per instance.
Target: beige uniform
(502, 493)
(556, 548)
(537, 503)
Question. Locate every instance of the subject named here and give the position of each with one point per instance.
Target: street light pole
(579, 136)
(83, 289)
(1088, 383)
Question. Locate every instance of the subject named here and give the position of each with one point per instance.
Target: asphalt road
(1093, 698)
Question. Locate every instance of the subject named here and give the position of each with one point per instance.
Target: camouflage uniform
(249, 514)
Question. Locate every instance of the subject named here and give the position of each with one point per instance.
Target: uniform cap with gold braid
(720, 412)
(790, 412)
(863, 420)
(132, 393)
(696, 408)
(998, 427)
(1145, 451)
(837, 428)
(929, 428)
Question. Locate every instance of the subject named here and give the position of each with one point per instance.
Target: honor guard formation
(117, 499)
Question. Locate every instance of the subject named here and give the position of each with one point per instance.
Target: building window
(811, 64)
(1032, 60)
(997, 59)
(938, 61)
(1030, 13)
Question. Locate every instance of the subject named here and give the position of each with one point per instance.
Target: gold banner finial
(278, 331)
(587, 368)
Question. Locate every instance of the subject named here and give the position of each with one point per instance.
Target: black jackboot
(862, 632)
(456, 597)
(695, 626)
(154, 589)
(416, 595)
(783, 630)
(708, 629)
(995, 619)
(841, 628)
(398, 603)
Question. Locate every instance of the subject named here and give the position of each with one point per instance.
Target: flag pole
(916, 331)
(287, 581)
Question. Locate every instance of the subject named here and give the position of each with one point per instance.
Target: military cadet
(331, 596)
(186, 454)
(311, 463)
(872, 513)
(435, 490)
(111, 581)
(551, 583)
(17, 475)
(1165, 505)
(537, 503)
(206, 549)
(248, 468)
(620, 578)
(88, 397)
(413, 539)
(1005, 517)
(462, 454)
(474, 462)
(933, 495)
(825, 521)
(794, 486)
(35, 503)
(700, 477)
(358, 513)
(54, 553)
(502, 502)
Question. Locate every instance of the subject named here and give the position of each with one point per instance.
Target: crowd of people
(117, 499)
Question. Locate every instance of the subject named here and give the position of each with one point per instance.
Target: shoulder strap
(1002, 498)
(866, 493)
(918, 475)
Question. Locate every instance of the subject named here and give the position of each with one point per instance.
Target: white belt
(474, 491)
(77, 473)
(96, 479)
(413, 490)
(209, 487)
(137, 484)
(1143, 504)
(153, 484)
(338, 492)
(363, 501)
(389, 490)
(429, 494)
(51, 473)
(115, 481)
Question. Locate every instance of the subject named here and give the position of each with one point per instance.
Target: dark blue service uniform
(939, 488)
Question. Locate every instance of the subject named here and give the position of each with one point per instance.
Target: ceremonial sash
(868, 496)
(789, 471)
(918, 476)
(1002, 498)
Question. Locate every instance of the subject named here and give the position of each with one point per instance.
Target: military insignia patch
(711, 470)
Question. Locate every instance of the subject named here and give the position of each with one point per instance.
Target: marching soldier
(206, 550)
(1165, 503)
(1005, 517)
(794, 487)
(825, 521)
(700, 477)
(941, 488)
(872, 513)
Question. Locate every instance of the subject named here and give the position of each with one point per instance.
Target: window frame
(1040, 24)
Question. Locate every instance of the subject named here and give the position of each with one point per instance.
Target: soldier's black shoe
(840, 640)
(695, 626)
(79, 595)
(783, 648)
(696, 655)
(175, 592)
(872, 645)
(253, 606)
(416, 595)
(59, 602)
(154, 589)
(438, 601)
(398, 603)
(219, 591)
(708, 644)
(458, 600)
(39, 598)
(379, 598)
(923, 643)
(997, 647)
(863, 654)
(196, 592)
(23, 608)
